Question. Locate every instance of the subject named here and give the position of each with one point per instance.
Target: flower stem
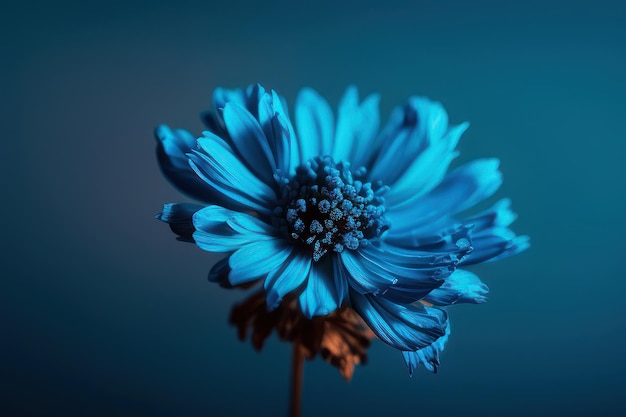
(297, 372)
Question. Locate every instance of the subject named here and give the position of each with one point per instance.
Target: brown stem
(297, 372)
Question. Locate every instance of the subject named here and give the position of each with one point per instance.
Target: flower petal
(172, 149)
(222, 230)
(460, 287)
(361, 276)
(495, 244)
(357, 126)
(405, 327)
(286, 146)
(279, 133)
(402, 277)
(257, 259)
(498, 215)
(315, 122)
(491, 237)
(179, 217)
(219, 272)
(460, 190)
(427, 170)
(250, 142)
(248, 99)
(242, 97)
(287, 278)
(428, 356)
(228, 177)
(410, 130)
(439, 237)
(323, 294)
(213, 123)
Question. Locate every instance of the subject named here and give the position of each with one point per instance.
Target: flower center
(328, 207)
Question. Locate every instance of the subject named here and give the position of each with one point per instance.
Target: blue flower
(340, 212)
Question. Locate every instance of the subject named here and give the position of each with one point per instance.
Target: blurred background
(104, 313)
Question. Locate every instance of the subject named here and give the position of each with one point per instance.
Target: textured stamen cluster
(328, 207)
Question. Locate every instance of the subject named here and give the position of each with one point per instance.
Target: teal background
(104, 313)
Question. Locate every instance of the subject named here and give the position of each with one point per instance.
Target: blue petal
(357, 126)
(491, 237)
(315, 123)
(246, 224)
(460, 287)
(256, 260)
(281, 105)
(287, 155)
(213, 123)
(342, 285)
(224, 173)
(221, 96)
(250, 142)
(172, 147)
(324, 290)
(222, 230)
(270, 110)
(495, 244)
(266, 114)
(361, 277)
(247, 99)
(405, 327)
(498, 215)
(179, 217)
(287, 278)
(468, 185)
(428, 356)
(219, 272)
(411, 129)
(427, 170)
(404, 277)
(460, 190)
(441, 236)
(279, 133)
(254, 92)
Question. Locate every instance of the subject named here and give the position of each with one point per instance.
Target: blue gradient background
(104, 313)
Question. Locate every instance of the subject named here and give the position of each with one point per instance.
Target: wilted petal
(428, 356)
(495, 244)
(405, 276)
(491, 237)
(460, 287)
(405, 327)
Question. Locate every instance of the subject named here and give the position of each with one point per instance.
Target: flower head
(343, 213)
